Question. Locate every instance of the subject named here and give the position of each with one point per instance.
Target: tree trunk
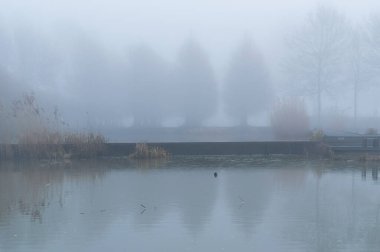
(355, 105)
(319, 105)
(243, 121)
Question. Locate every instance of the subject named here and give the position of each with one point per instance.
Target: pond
(209, 203)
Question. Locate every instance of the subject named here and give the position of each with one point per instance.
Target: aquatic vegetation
(30, 133)
(84, 145)
(56, 145)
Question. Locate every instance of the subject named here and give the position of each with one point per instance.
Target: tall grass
(33, 134)
(55, 145)
(85, 145)
(144, 151)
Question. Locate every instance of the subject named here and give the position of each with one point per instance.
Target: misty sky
(163, 24)
(219, 25)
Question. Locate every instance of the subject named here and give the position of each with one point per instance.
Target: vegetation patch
(369, 158)
(55, 146)
(28, 132)
(144, 151)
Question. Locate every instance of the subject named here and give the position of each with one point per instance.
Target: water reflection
(248, 192)
(179, 204)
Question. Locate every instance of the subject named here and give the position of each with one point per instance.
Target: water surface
(178, 205)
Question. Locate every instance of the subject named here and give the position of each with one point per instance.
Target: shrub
(289, 119)
(317, 135)
(371, 131)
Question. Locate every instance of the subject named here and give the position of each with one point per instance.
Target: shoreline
(303, 149)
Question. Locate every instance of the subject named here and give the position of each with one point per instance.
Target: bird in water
(215, 174)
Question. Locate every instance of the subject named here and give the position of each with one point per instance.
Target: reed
(27, 131)
(53, 145)
(144, 151)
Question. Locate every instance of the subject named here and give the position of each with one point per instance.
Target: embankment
(307, 148)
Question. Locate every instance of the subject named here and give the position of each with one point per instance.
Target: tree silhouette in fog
(196, 85)
(147, 80)
(316, 53)
(35, 59)
(247, 83)
(91, 79)
(359, 72)
(5, 47)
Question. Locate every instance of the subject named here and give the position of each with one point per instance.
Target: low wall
(221, 148)
(15, 151)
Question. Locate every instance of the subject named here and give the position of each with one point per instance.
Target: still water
(179, 205)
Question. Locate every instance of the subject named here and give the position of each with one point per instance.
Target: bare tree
(316, 53)
(358, 71)
(247, 84)
(374, 41)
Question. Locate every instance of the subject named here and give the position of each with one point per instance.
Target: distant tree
(93, 82)
(248, 88)
(147, 80)
(359, 72)
(36, 62)
(196, 87)
(316, 53)
(88, 66)
(11, 80)
(374, 41)
(9, 88)
(6, 48)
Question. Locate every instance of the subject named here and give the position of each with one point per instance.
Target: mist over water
(176, 205)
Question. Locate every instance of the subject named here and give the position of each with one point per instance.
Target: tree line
(143, 85)
(325, 52)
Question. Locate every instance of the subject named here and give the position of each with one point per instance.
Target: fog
(115, 65)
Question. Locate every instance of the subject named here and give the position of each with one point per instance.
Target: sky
(163, 24)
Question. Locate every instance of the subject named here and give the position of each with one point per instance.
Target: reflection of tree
(153, 193)
(147, 193)
(23, 198)
(32, 197)
(249, 192)
(79, 203)
(332, 212)
(195, 192)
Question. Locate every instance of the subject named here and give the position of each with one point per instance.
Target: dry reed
(144, 151)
